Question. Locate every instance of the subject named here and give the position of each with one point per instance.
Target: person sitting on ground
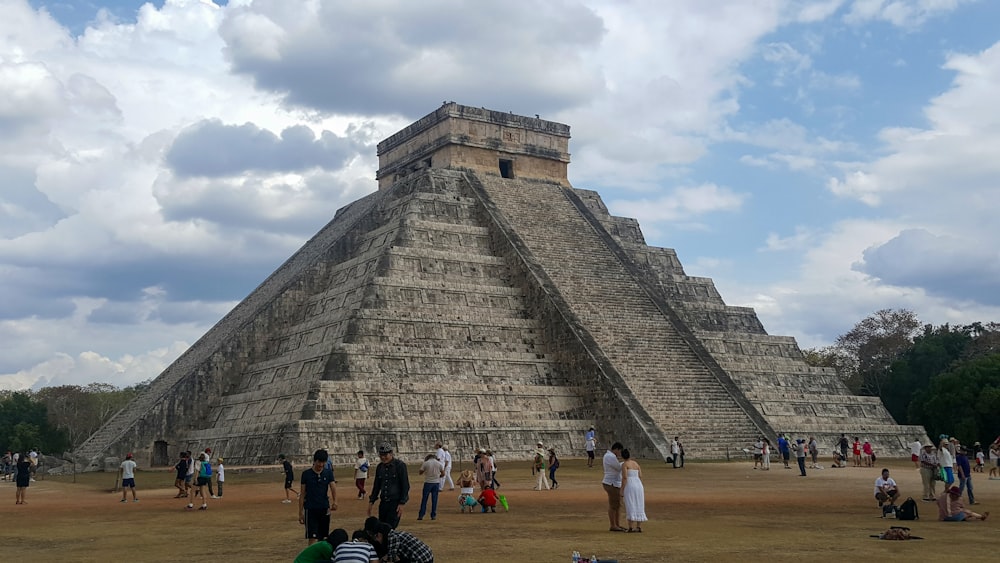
(467, 490)
(322, 550)
(951, 509)
(838, 459)
(358, 550)
(488, 499)
(886, 489)
(401, 546)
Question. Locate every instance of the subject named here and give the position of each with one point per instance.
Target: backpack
(908, 510)
(364, 467)
(555, 463)
(206, 469)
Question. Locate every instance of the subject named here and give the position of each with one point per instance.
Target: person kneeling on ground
(358, 550)
(886, 489)
(488, 499)
(951, 509)
(402, 547)
(322, 550)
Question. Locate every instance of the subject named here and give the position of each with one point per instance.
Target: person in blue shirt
(784, 450)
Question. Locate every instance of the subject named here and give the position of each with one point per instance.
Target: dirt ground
(706, 511)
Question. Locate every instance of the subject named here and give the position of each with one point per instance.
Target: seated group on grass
(378, 541)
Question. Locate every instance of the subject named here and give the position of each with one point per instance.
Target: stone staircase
(656, 362)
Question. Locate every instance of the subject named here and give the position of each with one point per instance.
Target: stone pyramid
(479, 299)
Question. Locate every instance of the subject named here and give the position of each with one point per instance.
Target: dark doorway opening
(160, 457)
(506, 168)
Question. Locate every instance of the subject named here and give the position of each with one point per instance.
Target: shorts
(317, 524)
(590, 454)
(914, 458)
(128, 483)
(614, 496)
(288, 483)
(960, 517)
(202, 481)
(188, 479)
(785, 455)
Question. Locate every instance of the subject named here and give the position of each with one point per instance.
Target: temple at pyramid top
(478, 139)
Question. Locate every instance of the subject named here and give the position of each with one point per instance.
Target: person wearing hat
(127, 473)
(951, 509)
(484, 468)
(553, 466)
(391, 487)
(928, 467)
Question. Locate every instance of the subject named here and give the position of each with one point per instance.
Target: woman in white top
(633, 493)
(947, 463)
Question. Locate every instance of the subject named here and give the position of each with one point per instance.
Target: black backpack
(908, 510)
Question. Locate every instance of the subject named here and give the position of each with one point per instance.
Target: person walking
(538, 467)
(391, 488)
(553, 466)
(432, 470)
(203, 470)
(590, 444)
(784, 450)
(633, 493)
(963, 470)
(318, 498)
(447, 470)
(947, 461)
(126, 472)
(289, 478)
(612, 484)
(360, 473)
(675, 451)
(208, 458)
(180, 480)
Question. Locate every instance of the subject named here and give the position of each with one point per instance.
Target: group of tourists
(947, 462)
(801, 448)
(194, 477)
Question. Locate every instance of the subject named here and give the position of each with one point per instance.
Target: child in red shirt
(488, 499)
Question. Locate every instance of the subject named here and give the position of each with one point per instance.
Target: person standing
(800, 455)
(203, 470)
(447, 470)
(126, 472)
(675, 451)
(220, 471)
(391, 488)
(180, 480)
(963, 469)
(208, 459)
(843, 443)
(633, 493)
(612, 484)
(289, 478)
(928, 467)
(484, 469)
(784, 450)
(538, 467)
(553, 466)
(947, 461)
(814, 452)
(433, 470)
(360, 473)
(915, 448)
(590, 444)
(493, 470)
(22, 479)
(765, 453)
(318, 498)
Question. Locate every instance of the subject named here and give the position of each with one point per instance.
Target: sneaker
(122, 500)
(189, 507)
(135, 500)
(203, 507)
(213, 496)
(286, 501)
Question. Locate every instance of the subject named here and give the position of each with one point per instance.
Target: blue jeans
(965, 483)
(802, 465)
(430, 490)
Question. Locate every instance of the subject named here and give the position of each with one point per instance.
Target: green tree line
(945, 378)
(57, 419)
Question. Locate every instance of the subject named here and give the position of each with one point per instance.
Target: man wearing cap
(928, 466)
(391, 487)
(127, 472)
(950, 508)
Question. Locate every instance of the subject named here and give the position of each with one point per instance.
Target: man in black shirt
(318, 498)
(392, 487)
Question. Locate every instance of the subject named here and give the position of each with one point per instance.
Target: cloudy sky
(820, 159)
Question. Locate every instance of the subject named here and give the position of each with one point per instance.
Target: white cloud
(685, 203)
(901, 13)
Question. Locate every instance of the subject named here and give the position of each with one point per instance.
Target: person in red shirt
(488, 499)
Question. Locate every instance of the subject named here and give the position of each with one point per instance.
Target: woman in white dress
(633, 493)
